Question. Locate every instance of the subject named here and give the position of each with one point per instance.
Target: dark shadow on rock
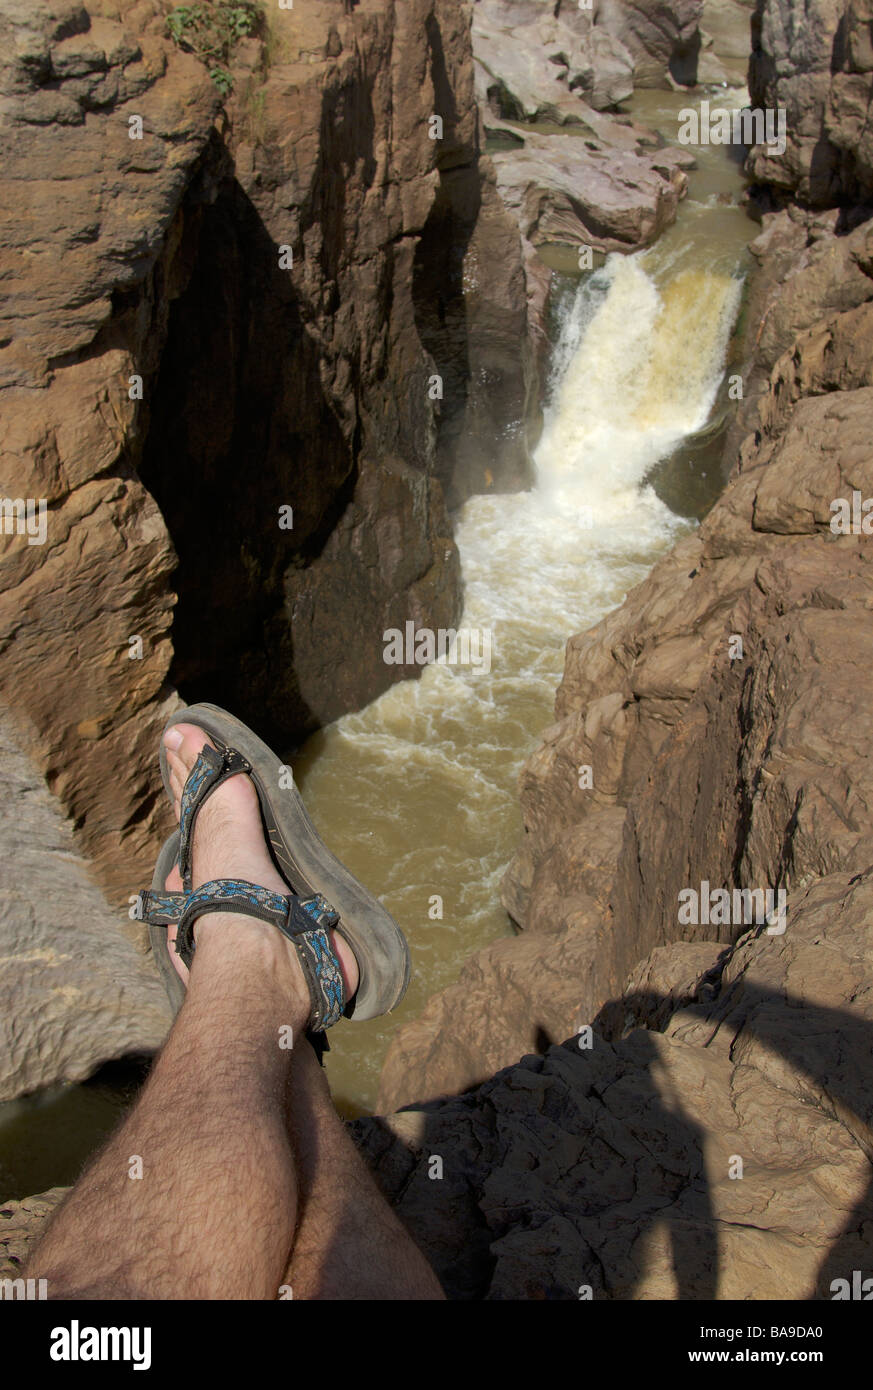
(542, 1041)
(438, 271)
(831, 1049)
(840, 46)
(234, 417)
(498, 1137)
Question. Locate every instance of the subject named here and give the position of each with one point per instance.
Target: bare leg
(349, 1244)
(213, 1213)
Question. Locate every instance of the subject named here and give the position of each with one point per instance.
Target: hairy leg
(213, 1214)
(349, 1243)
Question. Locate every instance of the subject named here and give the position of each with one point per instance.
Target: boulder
(538, 61)
(590, 192)
(662, 37)
(728, 24)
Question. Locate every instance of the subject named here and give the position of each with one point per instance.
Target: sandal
(323, 895)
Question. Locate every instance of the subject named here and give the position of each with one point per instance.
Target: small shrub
(212, 31)
(223, 80)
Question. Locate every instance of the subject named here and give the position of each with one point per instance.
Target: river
(417, 792)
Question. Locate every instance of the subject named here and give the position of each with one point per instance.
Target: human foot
(229, 842)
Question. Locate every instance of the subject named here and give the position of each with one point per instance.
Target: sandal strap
(305, 921)
(161, 909)
(213, 766)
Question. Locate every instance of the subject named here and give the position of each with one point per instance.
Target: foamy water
(417, 792)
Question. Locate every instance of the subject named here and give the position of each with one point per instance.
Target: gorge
(604, 1026)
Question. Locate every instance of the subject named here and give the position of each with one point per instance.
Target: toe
(183, 743)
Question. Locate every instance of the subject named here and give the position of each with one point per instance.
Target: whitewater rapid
(417, 791)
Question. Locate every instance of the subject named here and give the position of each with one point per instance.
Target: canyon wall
(815, 63)
(216, 311)
(626, 1104)
(724, 713)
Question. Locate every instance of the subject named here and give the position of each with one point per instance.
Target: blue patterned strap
(213, 766)
(305, 921)
(160, 909)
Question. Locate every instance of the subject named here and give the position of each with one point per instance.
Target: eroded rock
(590, 192)
(75, 991)
(663, 37)
(818, 71)
(168, 386)
(21, 1224)
(543, 61)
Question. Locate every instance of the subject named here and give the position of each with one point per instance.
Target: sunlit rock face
(250, 356)
(819, 71)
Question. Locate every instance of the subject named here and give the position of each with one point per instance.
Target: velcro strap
(305, 921)
(161, 909)
(307, 924)
(213, 766)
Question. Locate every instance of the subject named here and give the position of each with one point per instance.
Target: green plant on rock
(222, 79)
(212, 31)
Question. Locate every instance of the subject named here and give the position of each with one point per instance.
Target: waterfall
(637, 369)
(417, 791)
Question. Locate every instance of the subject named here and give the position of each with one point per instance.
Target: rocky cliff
(705, 1129)
(253, 343)
(815, 64)
(627, 1103)
(150, 267)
